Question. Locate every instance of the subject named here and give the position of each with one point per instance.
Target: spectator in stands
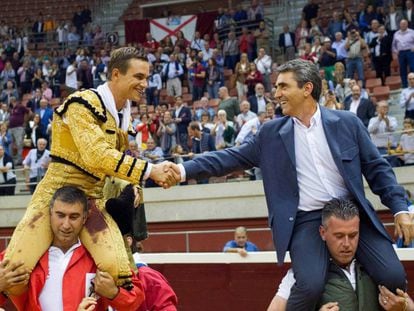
(133, 149)
(407, 97)
(37, 79)
(199, 75)
(331, 102)
(335, 25)
(258, 100)
(4, 112)
(310, 11)
(381, 128)
(408, 13)
(369, 16)
(240, 244)
(251, 128)
(36, 163)
(16, 126)
(327, 59)
(406, 144)
(308, 55)
(316, 47)
(8, 74)
(34, 131)
(264, 66)
(241, 71)
(229, 104)
(25, 74)
(46, 90)
(301, 35)
(15, 61)
(201, 140)
(73, 38)
(262, 37)
(392, 20)
(38, 29)
(71, 80)
(99, 71)
(240, 14)
(78, 21)
(247, 43)
(253, 78)
(5, 138)
(223, 131)
(167, 133)
(181, 41)
(154, 87)
(182, 118)
(197, 43)
(150, 43)
(9, 92)
(216, 43)
(143, 128)
(315, 30)
(203, 107)
(348, 90)
(46, 116)
(7, 176)
(372, 33)
(172, 72)
(205, 122)
(213, 78)
(339, 46)
(382, 55)
(34, 102)
(245, 114)
(153, 153)
(255, 12)
(355, 46)
(403, 48)
(231, 51)
(360, 106)
(84, 75)
(62, 34)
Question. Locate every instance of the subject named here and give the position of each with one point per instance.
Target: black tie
(120, 116)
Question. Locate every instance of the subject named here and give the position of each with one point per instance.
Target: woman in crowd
(301, 35)
(213, 78)
(167, 45)
(181, 41)
(5, 138)
(37, 79)
(331, 102)
(34, 130)
(242, 70)
(223, 131)
(7, 74)
(254, 76)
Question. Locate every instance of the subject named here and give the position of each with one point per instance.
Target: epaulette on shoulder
(90, 99)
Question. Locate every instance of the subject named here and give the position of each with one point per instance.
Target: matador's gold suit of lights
(87, 147)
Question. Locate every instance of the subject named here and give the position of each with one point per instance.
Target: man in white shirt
(172, 72)
(381, 128)
(250, 128)
(407, 97)
(197, 43)
(360, 106)
(71, 80)
(264, 65)
(308, 158)
(245, 114)
(339, 46)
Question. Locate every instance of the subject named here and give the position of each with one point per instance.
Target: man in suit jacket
(307, 158)
(408, 13)
(46, 116)
(362, 107)
(182, 117)
(287, 43)
(258, 101)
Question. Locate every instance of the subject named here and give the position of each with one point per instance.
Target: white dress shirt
(405, 95)
(51, 296)
(318, 176)
(354, 106)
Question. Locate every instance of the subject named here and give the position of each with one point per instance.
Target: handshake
(165, 174)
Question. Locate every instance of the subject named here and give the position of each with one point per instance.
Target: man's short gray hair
(342, 209)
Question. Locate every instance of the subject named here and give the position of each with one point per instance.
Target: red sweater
(74, 286)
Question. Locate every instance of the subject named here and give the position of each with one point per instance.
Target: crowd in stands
(221, 82)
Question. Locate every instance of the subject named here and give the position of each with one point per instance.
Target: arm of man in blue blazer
(382, 181)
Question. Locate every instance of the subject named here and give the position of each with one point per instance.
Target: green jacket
(339, 289)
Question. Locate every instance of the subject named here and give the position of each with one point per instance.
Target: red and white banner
(164, 27)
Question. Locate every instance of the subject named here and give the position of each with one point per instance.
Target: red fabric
(258, 78)
(144, 129)
(74, 286)
(135, 30)
(152, 45)
(159, 296)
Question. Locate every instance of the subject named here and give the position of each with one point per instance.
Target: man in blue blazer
(307, 158)
(362, 107)
(46, 115)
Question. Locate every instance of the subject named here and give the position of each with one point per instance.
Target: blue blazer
(273, 151)
(48, 115)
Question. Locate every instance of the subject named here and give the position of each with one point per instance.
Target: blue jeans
(405, 59)
(355, 64)
(212, 89)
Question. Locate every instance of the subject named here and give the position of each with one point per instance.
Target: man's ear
(322, 232)
(308, 88)
(115, 74)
